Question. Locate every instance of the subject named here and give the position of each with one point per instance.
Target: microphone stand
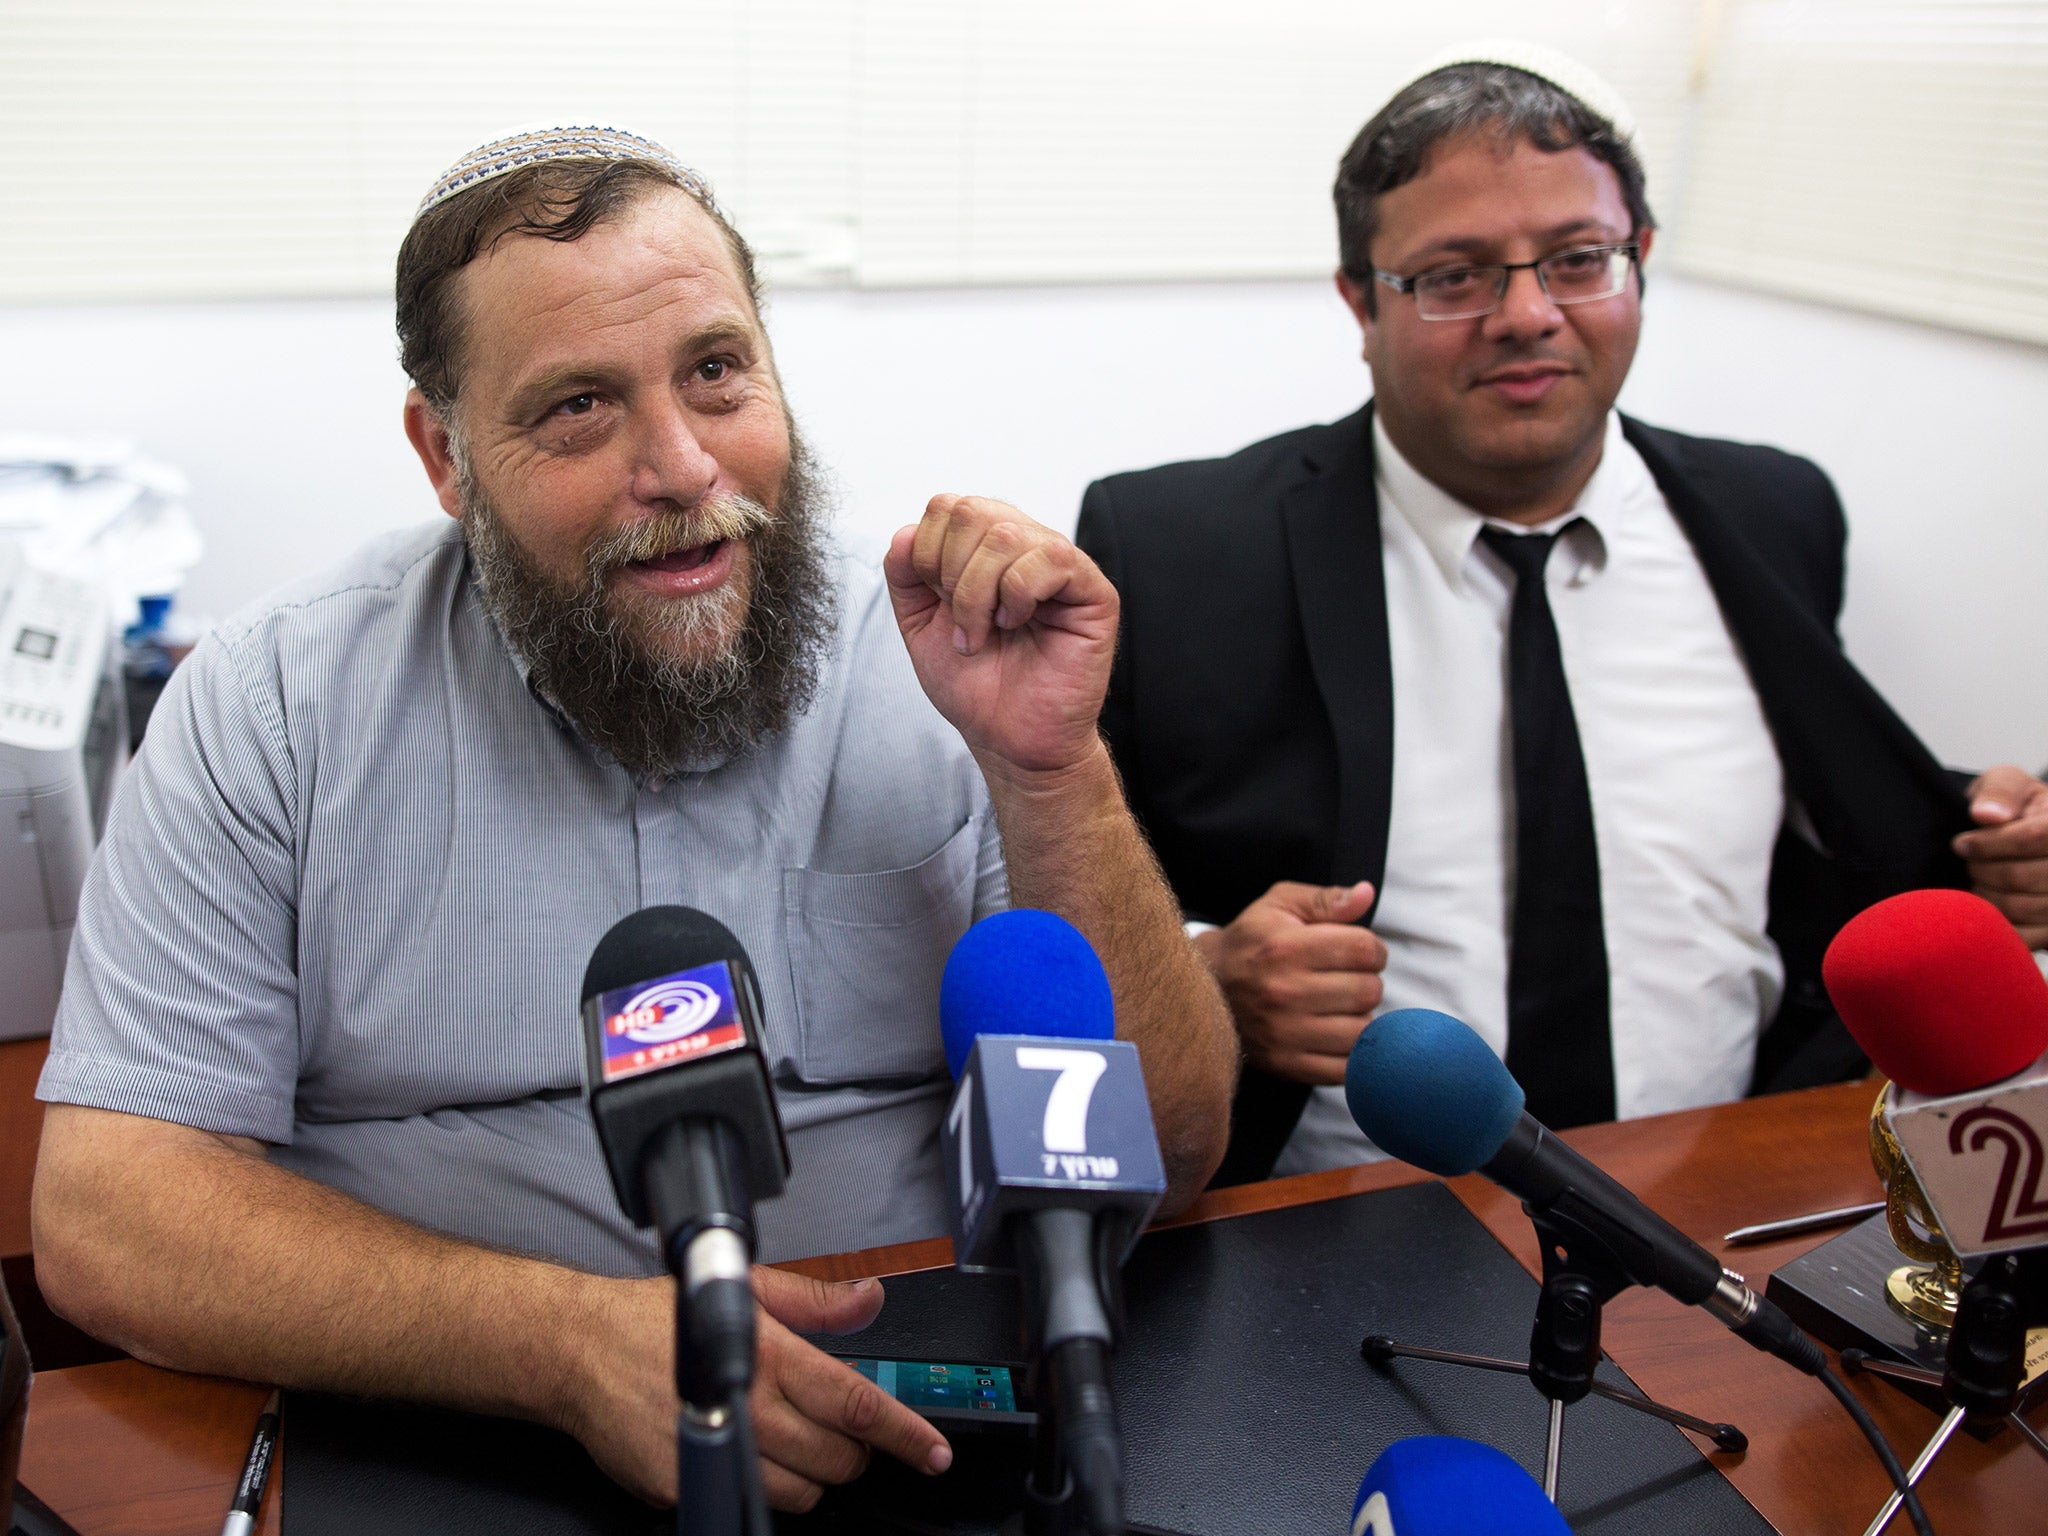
(1579, 1276)
(1987, 1346)
(710, 1252)
(1076, 1479)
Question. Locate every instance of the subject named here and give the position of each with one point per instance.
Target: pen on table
(241, 1519)
(1792, 1226)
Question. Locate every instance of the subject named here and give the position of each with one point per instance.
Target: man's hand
(2008, 855)
(815, 1418)
(1302, 978)
(1011, 630)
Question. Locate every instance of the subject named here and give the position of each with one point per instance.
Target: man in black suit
(1488, 699)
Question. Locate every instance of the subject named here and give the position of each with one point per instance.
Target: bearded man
(327, 962)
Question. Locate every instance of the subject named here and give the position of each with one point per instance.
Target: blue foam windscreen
(1022, 972)
(1438, 1485)
(1429, 1091)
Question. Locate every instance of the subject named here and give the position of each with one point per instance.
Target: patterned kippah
(525, 146)
(1547, 64)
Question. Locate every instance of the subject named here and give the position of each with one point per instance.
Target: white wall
(286, 417)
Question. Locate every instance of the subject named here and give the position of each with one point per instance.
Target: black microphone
(1429, 1091)
(679, 1091)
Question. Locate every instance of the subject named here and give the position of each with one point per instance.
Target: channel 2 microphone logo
(689, 1014)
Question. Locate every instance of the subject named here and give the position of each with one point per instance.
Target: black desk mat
(1245, 1406)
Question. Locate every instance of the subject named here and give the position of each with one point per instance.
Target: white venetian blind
(1117, 139)
(232, 148)
(1888, 154)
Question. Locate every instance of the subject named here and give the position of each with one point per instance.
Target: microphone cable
(1879, 1444)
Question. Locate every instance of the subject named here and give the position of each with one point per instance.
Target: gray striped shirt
(350, 885)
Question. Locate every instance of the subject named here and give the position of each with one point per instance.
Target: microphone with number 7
(1049, 1139)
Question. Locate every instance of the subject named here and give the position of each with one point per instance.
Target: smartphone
(958, 1398)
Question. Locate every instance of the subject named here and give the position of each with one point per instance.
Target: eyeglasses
(1570, 277)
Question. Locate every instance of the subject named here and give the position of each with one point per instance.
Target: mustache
(726, 515)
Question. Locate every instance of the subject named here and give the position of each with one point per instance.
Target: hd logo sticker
(655, 1024)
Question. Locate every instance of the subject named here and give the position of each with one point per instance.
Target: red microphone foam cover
(1939, 990)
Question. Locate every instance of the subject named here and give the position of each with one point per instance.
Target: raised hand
(1011, 630)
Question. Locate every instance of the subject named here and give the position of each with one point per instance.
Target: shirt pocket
(866, 952)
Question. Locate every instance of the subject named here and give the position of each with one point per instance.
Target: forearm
(1073, 848)
(194, 1251)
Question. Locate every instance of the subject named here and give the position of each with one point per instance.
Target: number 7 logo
(1066, 1110)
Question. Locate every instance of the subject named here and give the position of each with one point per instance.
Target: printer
(63, 740)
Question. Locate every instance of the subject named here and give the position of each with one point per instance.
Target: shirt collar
(1449, 529)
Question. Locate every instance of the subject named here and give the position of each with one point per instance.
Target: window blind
(1886, 154)
(1858, 150)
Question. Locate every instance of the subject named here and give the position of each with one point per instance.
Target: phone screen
(927, 1384)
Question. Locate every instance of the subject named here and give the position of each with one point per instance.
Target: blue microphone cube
(1039, 1121)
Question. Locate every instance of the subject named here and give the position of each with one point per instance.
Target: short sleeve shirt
(350, 884)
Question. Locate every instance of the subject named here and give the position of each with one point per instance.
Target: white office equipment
(63, 739)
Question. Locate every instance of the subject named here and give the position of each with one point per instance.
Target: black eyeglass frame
(1507, 270)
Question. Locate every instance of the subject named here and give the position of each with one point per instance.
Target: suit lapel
(1332, 526)
(1877, 797)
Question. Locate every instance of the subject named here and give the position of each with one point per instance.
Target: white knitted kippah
(1561, 70)
(556, 141)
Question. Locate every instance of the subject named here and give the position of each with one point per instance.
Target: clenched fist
(1301, 976)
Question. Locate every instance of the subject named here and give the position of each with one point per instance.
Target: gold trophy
(1929, 1289)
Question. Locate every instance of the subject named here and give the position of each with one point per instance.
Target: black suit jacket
(1252, 711)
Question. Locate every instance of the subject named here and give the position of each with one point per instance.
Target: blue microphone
(1058, 1168)
(1051, 1110)
(1429, 1091)
(1439, 1485)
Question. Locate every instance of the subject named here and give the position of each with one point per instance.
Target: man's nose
(671, 462)
(1525, 309)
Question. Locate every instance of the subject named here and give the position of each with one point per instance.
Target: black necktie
(1558, 1044)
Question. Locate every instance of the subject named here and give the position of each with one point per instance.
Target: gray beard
(660, 715)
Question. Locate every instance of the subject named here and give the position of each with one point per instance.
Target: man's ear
(1356, 299)
(428, 435)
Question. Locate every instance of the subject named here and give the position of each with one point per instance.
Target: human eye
(1451, 283)
(1588, 262)
(575, 421)
(720, 381)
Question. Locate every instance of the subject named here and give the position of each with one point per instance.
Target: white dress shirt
(1688, 794)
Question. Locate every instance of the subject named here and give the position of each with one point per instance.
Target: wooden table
(21, 1125)
(129, 1449)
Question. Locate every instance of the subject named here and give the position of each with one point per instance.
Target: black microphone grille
(656, 941)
